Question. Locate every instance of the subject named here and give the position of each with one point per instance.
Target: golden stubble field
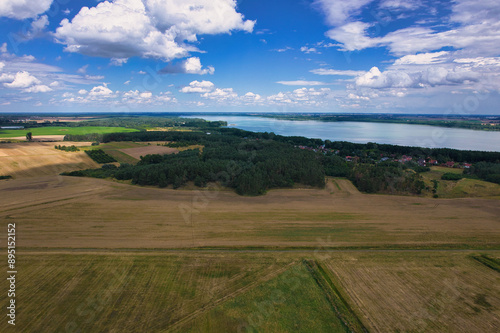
(68, 212)
(97, 255)
(34, 159)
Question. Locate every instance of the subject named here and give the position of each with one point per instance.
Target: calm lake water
(363, 132)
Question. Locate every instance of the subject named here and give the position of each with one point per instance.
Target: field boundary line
(92, 250)
(486, 261)
(177, 325)
(341, 308)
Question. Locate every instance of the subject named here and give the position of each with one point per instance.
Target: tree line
(251, 164)
(258, 162)
(486, 171)
(67, 148)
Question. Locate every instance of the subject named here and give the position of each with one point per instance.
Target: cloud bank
(150, 28)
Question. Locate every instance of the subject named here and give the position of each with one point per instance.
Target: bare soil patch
(143, 151)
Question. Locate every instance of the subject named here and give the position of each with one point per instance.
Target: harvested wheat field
(101, 254)
(33, 159)
(419, 292)
(116, 215)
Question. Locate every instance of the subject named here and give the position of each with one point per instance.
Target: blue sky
(396, 56)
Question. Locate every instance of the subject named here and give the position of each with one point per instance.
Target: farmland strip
(332, 294)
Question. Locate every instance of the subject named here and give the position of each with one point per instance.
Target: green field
(227, 291)
(290, 302)
(463, 188)
(152, 293)
(113, 149)
(56, 130)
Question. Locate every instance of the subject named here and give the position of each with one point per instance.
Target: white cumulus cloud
(198, 87)
(476, 29)
(189, 66)
(6, 77)
(100, 91)
(251, 97)
(22, 80)
(148, 28)
(192, 17)
(221, 94)
(23, 9)
(193, 66)
(308, 97)
(429, 76)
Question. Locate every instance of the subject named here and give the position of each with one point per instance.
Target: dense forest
(252, 163)
(486, 171)
(251, 167)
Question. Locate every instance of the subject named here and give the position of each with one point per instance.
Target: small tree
(29, 136)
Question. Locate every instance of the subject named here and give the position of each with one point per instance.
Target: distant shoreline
(474, 122)
(482, 123)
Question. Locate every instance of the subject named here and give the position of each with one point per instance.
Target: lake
(363, 132)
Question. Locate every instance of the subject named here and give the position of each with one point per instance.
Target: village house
(449, 164)
(405, 159)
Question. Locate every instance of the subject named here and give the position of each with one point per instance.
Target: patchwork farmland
(101, 254)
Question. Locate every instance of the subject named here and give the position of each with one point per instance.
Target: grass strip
(334, 297)
(336, 184)
(488, 262)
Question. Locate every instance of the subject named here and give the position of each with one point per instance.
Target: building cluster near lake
(423, 162)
